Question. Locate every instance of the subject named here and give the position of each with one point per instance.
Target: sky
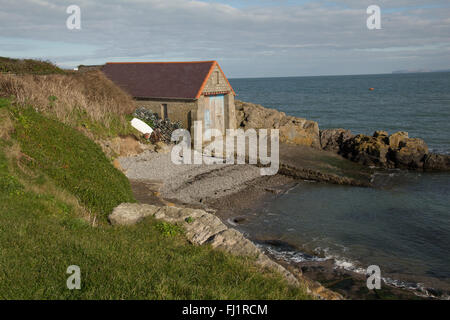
(249, 38)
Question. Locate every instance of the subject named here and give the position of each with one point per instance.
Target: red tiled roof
(178, 80)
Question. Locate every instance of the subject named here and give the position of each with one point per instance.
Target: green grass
(28, 66)
(117, 125)
(42, 234)
(168, 229)
(4, 102)
(38, 243)
(71, 160)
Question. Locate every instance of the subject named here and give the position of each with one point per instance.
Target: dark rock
(396, 150)
(439, 162)
(239, 219)
(410, 153)
(381, 136)
(333, 139)
(366, 150)
(395, 139)
(380, 133)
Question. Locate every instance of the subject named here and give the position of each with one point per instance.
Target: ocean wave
(289, 255)
(346, 264)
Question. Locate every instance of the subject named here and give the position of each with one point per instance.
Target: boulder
(300, 132)
(410, 153)
(131, 213)
(249, 115)
(440, 162)
(202, 228)
(380, 149)
(380, 134)
(333, 139)
(366, 150)
(174, 214)
(292, 130)
(395, 139)
(233, 241)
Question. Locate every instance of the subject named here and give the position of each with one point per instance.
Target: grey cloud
(310, 38)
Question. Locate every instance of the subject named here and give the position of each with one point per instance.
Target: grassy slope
(87, 101)
(19, 66)
(71, 160)
(49, 175)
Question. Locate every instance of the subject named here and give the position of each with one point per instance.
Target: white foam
(346, 264)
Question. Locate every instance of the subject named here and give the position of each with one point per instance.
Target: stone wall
(216, 82)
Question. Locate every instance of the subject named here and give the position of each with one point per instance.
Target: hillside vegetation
(28, 66)
(87, 101)
(56, 191)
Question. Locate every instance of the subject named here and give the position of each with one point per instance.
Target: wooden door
(207, 121)
(219, 113)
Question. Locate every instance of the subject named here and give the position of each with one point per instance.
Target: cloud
(254, 39)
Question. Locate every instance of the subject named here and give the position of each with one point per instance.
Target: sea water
(403, 226)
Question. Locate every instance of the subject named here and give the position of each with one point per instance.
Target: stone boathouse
(180, 91)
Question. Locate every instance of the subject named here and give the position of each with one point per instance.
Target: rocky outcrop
(366, 150)
(395, 139)
(131, 213)
(437, 162)
(202, 227)
(333, 139)
(397, 150)
(293, 130)
(410, 153)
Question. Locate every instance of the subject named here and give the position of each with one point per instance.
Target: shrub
(169, 230)
(28, 66)
(73, 99)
